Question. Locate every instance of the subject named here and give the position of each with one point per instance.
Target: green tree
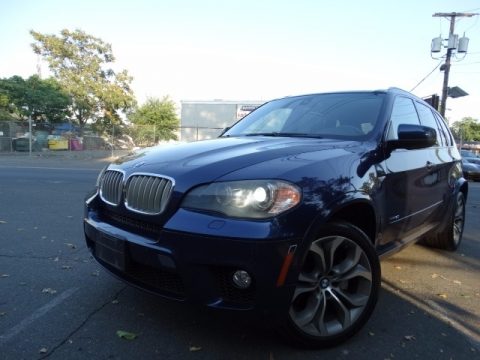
(6, 111)
(81, 63)
(153, 121)
(467, 129)
(42, 98)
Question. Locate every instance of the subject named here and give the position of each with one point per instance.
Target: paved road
(57, 303)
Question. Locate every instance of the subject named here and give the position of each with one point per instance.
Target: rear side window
(446, 132)
(403, 112)
(427, 118)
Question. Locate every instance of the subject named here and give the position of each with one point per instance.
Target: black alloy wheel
(337, 287)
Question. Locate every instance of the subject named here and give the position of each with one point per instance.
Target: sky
(258, 50)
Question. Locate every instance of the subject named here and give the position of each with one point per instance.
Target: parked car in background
(288, 212)
(470, 156)
(471, 170)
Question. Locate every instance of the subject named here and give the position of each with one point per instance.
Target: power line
(425, 78)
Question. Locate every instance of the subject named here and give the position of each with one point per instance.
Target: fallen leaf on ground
(409, 337)
(398, 267)
(49, 291)
(434, 276)
(71, 246)
(195, 348)
(4, 275)
(3, 313)
(371, 333)
(66, 267)
(3, 222)
(126, 335)
(115, 301)
(43, 350)
(457, 282)
(443, 296)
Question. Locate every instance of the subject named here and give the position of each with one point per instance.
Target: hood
(205, 161)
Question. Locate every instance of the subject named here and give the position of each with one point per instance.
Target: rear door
(412, 181)
(441, 161)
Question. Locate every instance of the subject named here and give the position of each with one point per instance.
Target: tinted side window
(443, 126)
(403, 112)
(427, 118)
(441, 133)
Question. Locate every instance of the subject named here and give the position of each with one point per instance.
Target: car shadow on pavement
(398, 329)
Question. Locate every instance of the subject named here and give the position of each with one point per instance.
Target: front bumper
(180, 264)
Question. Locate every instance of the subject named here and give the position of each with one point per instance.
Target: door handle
(429, 165)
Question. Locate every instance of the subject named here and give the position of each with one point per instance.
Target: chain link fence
(15, 137)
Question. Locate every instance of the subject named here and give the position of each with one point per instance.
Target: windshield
(343, 115)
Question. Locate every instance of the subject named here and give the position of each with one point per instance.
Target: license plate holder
(112, 251)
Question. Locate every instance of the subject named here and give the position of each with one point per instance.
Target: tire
(450, 237)
(337, 288)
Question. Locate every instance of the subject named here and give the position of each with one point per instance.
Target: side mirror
(412, 137)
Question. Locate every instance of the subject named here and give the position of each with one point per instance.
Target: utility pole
(452, 39)
(30, 135)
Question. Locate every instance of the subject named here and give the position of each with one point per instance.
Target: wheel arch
(360, 213)
(463, 187)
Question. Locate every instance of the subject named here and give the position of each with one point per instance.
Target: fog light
(241, 279)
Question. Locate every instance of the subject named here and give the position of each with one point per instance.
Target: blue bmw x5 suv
(288, 212)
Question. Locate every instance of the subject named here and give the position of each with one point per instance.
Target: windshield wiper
(286, 134)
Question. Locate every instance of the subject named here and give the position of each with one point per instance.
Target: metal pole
(452, 16)
(113, 137)
(443, 105)
(30, 135)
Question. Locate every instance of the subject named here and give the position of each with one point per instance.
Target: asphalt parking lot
(57, 303)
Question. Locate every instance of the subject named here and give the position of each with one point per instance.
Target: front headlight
(257, 199)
